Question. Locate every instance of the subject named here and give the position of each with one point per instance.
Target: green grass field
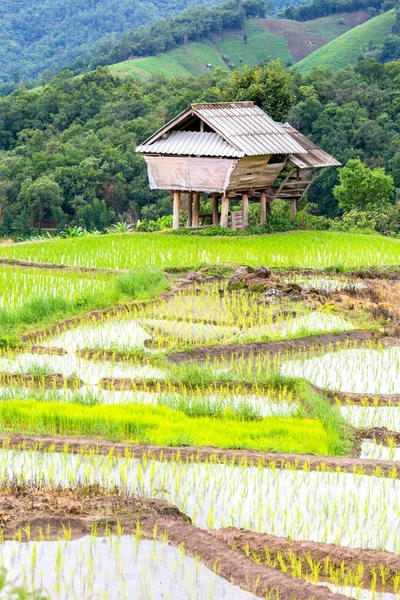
(266, 38)
(185, 61)
(131, 251)
(261, 44)
(348, 48)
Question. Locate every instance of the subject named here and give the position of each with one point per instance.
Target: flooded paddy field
(114, 567)
(229, 399)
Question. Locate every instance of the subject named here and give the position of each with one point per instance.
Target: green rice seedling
(126, 251)
(368, 369)
(21, 285)
(39, 297)
(346, 509)
(143, 423)
(118, 567)
(142, 284)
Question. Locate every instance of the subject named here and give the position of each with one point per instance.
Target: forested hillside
(40, 37)
(45, 35)
(68, 151)
(236, 33)
(322, 8)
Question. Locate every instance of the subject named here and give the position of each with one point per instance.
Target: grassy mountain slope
(290, 41)
(347, 49)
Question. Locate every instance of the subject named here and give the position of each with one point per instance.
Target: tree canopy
(360, 186)
(42, 36)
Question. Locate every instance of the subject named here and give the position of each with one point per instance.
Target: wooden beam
(283, 183)
(215, 215)
(245, 211)
(309, 184)
(263, 207)
(190, 209)
(177, 208)
(196, 209)
(224, 211)
(293, 208)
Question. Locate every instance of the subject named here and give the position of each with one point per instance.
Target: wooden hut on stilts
(231, 152)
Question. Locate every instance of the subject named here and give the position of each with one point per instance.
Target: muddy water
(123, 334)
(377, 451)
(361, 593)
(115, 568)
(113, 333)
(372, 416)
(361, 370)
(90, 372)
(345, 509)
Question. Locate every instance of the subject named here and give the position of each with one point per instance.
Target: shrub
(306, 220)
(370, 220)
(158, 225)
(389, 222)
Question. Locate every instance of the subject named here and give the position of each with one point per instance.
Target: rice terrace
(200, 300)
(172, 413)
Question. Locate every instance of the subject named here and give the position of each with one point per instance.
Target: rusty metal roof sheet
(314, 158)
(248, 128)
(192, 143)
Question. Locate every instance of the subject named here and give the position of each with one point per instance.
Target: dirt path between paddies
(360, 399)
(383, 272)
(381, 435)
(387, 272)
(240, 386)
(17, 262)
(272, 460)
(326, 340)
(351, 558)
(86, 511)
(82, 512)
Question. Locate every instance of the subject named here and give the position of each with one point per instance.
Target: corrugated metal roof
(248, 128)
(192, 143)
(314, 158)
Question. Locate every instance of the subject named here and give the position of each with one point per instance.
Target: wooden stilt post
(215, 215)
(224, 211)
(245, 210)
(196, 209)
(177, 208)
(269, 202)
(263, 207)
(293, 208)
(190, 210)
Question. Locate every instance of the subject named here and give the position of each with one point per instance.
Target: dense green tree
(321, 8)
(95, 215)
(267, 85)
(40, 198)
(360, 186)
(390, 49)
